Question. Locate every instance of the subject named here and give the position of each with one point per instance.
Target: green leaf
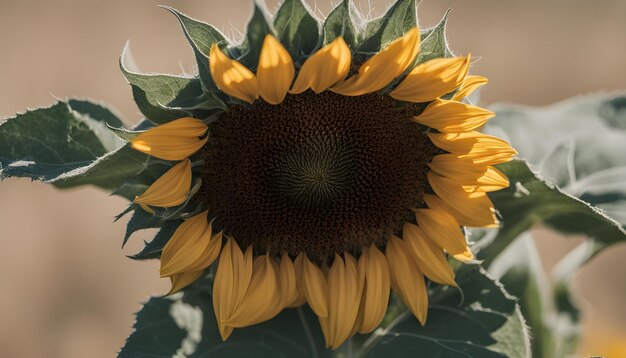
(555, 326)
(343, 21)
(530, 200)
(483, 321)
(434, 44)
(201, 37)
(578, 144)
(185, 323)
(400, 18)
(152, 249)
(297, 29)
(258, 28)
(44, 143)
(163, 98)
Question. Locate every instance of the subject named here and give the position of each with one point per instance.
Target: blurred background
(67, 288)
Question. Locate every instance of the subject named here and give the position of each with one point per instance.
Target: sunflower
(328, 183)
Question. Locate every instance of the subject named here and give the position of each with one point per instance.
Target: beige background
(67, 288)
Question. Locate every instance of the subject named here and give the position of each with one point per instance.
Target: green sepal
(297, 29)
(258, 27)
(400, 18)
(152, 249)
(531, 200)
(344, 21)
(434, 43)
(201, 37)
(163, 98)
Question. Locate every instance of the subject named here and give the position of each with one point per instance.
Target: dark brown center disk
(317, 173)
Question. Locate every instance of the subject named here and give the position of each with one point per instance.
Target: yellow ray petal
(298, 265)
(288, 284)
(432, 79)
(323, 69)
(343, 298)
(262, 298)
(430, 258)
(182, 280)
(314, 287)
(232, 77)
(275, 71)
(464, 170)
(443, 228)
(480, 148)
(234, 272)
(382, 68)
(376, 290)
(469, 85)
(191, 248)
(175, 140)
(406, 279)
(470, 209)
(453, 117)
(171, 189)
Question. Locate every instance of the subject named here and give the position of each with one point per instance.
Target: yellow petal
(480, 148)
(182, 280)
(288, 283)
(298, 265)
(469, 85)
(232, 77)
(275, 71)
(469, 208)
(262, 299)
(175, 140)
(376, 290)
(234, 272)
(171, 189)
(314, 287)
(432, 79)
(453, 117)
(443, 228)
(191, 248)
(464, 170)
(382, 68)
(406, 279)
(343, 298)
(323, 69)
(430, 258)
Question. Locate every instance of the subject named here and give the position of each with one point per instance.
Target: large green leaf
(45, 143)
(201, 37)
(400, 18)
(556, 327)
(344, 20)
(297, 29)
(530, 200)
(579, 145)
(483, 322)
(258, 28)
(163, 98)
(480, 320)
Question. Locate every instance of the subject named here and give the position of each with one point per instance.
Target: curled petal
(480, 148)
(469, 208)
(175, 140)
(406, 279)
(191, 248)
(376, 290)
(343, 298)
(171, 189)
(443, 228)
(314, 287)
(232, 77)
(432, 79)
(184, 279)
(480, 177)
(469, 85)
(234, 272)
(383, 67)
(323, 69)
(275, 71)
(453, 117)
(429, 257)
(288, 281)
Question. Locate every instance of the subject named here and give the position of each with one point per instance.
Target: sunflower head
(333, 163)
